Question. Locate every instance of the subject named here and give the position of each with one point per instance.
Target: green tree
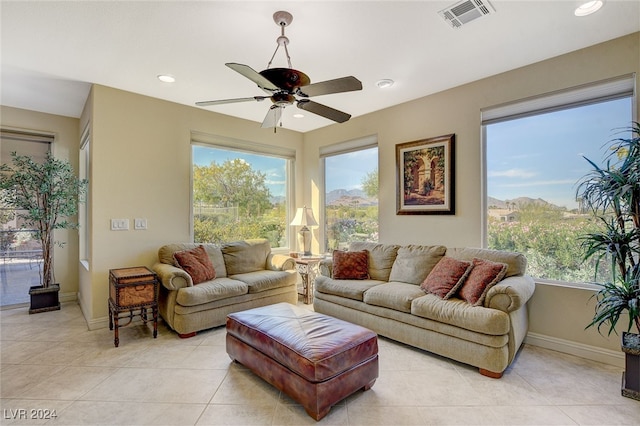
(370, 184)
(233, 183)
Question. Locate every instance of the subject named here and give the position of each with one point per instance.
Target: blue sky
(273, 167)
(541, 156)
(344, 171)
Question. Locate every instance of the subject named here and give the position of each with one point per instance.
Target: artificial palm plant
(612, 193)
(44, 196)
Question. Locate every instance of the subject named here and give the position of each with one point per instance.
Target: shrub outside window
(239, 195)
(533, 163)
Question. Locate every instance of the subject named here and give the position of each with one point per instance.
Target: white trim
(593, 353)
(68, 296)
(613, 88)
(352, 145)
(232, 144)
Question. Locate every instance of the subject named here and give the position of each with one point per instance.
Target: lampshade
(304, 217)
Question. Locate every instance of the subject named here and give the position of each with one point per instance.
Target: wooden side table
(307, 268)
(133, 291)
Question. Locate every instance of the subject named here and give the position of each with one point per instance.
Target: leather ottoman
(316, 359)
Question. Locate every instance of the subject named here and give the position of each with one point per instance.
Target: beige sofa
(247, 275)
(392, 304)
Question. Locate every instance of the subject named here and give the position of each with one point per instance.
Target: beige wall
(65, 146)
(555, 311)
(141, 161)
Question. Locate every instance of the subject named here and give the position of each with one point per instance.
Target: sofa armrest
(280, 262)
(172, 277)
(511, 293)
(326, 267)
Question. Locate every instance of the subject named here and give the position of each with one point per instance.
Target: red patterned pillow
(351, 265)
(484, 275)
(446, 277)
(196, 263)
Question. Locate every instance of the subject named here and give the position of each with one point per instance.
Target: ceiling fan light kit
(286, 86)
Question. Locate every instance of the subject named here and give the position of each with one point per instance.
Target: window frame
(586, 94)
(345, 147)
(243, 146)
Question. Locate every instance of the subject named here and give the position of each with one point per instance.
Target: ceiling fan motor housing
(282, 99)
(286, 79)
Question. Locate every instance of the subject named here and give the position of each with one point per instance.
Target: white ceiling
(52, 51)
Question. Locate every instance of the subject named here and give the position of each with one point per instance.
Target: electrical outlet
(119, 224)
(139, 223)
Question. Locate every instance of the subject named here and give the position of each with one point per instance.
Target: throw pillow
(446, 277)
(351, 265)
(484, 275)
(196, 263)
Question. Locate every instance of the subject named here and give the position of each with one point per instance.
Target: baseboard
(593, 353)
(67, 297)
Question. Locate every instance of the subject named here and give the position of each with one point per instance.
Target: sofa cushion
(517, 263)
(165, 255)
(196, 263)
(351, 265)
(351, 289)
(246, 256)
(381, 258)
(258, 281)
(484, 275)
(446, 277)
(459, 313)
(413, 263)
(393, 295)
(209, 291)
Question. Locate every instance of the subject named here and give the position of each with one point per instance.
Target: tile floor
(50, 361)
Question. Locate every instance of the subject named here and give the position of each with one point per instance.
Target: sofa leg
(186, 335)
(490, 373)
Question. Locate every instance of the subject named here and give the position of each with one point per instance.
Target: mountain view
(343, 197)
(494, 203)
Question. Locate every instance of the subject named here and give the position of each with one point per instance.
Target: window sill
(579, 286)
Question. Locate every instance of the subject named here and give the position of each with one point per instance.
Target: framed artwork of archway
(425, 176)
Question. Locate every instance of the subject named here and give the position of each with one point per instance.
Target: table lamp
(304, 217)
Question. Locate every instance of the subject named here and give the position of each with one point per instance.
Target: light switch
(119, 224)
(139, 223)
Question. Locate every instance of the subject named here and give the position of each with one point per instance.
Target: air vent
(466, 11)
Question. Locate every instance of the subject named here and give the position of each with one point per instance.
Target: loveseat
(202, 283)
(391, 295)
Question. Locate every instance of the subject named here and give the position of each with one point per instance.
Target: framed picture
(425, 176)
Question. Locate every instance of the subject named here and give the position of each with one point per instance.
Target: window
(83, 209)
(351, 193)
(21, 252)
(241, 194)
(534, 159)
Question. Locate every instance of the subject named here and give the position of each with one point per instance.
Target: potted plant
(612, 193)
(43, 195)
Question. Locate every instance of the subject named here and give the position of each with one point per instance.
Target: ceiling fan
(286, 86)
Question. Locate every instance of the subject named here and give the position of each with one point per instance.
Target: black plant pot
(44, 299)
(631, 375)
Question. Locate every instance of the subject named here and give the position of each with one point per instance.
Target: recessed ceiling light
(298, 115)
(166, 78)
(588, 8)
(384, 83)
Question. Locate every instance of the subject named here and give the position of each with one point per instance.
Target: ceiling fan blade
(232, 101)
(273, 117)
(339, 85)
(323, 110)
(252, 75)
